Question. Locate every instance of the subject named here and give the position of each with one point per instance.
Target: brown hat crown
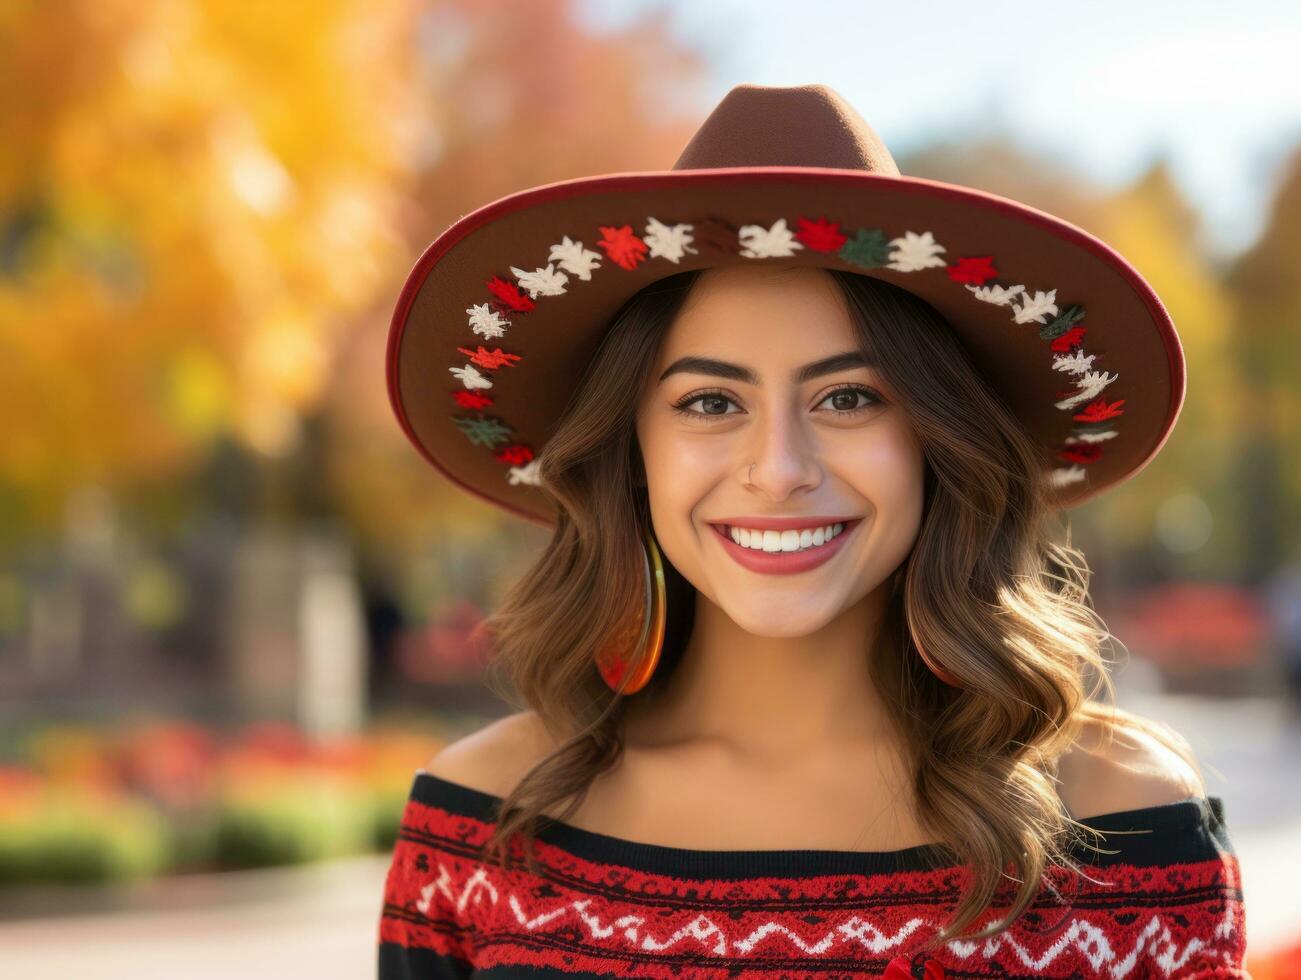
(800, 126)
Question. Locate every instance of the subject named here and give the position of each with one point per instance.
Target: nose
(785, 457)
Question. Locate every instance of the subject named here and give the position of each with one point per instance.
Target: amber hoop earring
(632, 652)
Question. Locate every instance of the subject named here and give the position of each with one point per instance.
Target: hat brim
(1074, 338)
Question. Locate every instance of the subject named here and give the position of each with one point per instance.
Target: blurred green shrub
(75, 837)
(295, 820)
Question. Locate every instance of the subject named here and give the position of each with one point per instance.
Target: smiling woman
(832, 514)
(857, 716)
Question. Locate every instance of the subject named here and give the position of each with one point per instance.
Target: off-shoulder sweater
(1167, 903)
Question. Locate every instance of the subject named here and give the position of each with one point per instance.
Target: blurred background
(235, 604)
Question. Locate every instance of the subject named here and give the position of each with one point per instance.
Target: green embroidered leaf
(1065, 320)
(483, 431)
(869, 249)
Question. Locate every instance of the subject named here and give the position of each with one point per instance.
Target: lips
(785, 523)
(784, 562)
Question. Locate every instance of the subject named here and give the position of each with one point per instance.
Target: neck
(771, 698)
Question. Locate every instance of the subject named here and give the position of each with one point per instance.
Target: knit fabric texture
(1167, 903)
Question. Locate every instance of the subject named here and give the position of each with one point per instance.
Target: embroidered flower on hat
(525, 474)
(1076, 363)
(868, 249)
(623, 246)
(998, 295)
(574, 259)
(865, 248)
(508, 295)
(668, 242)
(483, 430)
(470, 377)
(914, 252)
(471, 399)
(486, 322)
(545, 281)
(972, 269)
(1037, 307)
(758, 242)
(1090, 383)
(821, 235)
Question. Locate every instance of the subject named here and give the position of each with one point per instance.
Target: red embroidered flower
(623, 246)
(821, 235)
(1100, 411)
(492, 359)
(516, 454)
(1068, 341)
(1080, 452)
(471, 399)
(972, 269)
(509, 295)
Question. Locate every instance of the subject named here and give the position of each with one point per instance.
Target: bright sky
(1103, 87)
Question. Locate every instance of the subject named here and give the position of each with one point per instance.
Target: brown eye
(715, 406)
(845, 401)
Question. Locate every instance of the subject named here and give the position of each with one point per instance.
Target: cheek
(684, 456)
(887, 468)
(682, 469)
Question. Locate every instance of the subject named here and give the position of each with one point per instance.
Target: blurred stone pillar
(295, 642)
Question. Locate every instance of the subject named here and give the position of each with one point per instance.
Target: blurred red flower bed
(83, 803)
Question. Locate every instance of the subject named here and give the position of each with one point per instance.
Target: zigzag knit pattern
(1167, 903)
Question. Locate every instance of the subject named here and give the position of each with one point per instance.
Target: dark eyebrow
(737, 372)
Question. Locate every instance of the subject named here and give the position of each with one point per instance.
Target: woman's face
(830, 448)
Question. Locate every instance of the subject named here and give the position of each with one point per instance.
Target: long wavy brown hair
(993, 590)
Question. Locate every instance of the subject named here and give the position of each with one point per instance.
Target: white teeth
(792, 540)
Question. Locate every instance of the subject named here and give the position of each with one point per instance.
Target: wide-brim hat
(501, 314)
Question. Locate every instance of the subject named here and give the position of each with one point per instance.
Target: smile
(784, 552)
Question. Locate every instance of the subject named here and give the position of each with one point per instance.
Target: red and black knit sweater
(1167, 904)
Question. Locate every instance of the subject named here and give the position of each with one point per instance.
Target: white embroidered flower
(1037, 307)
(668, 242)
(1076, 363)
(758, 242)
(470, 377)
(486, 322)
(913, 252)
(1064, 475)
(528, 473)
(1090, 385)
(1092, 436)
(545, 282)
(574, 259)
(998, 295)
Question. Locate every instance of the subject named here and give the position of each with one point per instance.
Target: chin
(763, 613)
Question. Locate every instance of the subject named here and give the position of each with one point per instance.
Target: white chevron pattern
(1153, 944)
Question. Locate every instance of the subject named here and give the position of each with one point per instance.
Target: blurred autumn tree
(197, 198)
(207, 210)
(1266, 287)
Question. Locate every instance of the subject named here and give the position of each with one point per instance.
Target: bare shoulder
(493, 758)
(1110, 769)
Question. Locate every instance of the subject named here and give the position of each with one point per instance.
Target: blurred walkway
(323, 921)
(320, 921)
